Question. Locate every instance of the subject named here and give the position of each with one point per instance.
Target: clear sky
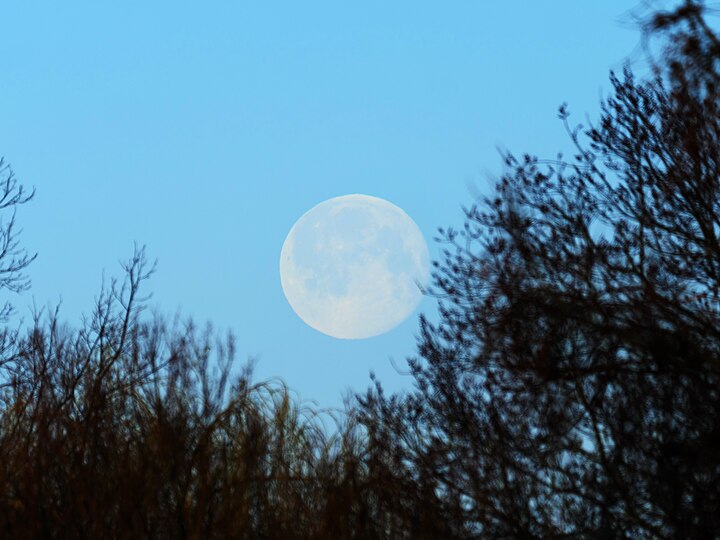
(204, 130)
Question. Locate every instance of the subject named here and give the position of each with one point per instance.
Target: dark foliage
(124, 429)
(571, 387)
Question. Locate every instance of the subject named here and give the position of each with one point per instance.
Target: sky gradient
(205, 130)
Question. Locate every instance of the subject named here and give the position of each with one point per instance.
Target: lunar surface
(352, 266)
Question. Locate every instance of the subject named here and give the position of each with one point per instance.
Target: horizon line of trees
(571, 388)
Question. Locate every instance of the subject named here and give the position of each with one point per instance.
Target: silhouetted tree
(572, 385)
(132, 427)
(13, 260)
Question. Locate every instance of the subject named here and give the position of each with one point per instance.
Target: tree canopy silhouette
(134, 427)
(571, 387)
(13, 259)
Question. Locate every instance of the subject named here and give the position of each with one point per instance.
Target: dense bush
(131, 428)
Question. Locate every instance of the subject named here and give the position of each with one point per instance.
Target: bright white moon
(350, 266)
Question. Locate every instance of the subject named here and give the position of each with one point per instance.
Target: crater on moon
(352, 265)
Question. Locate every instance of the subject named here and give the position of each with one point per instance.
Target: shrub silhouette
(123, 429)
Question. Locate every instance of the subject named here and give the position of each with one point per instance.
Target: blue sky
(204, 130)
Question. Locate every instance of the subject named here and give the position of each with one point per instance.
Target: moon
(352, 266)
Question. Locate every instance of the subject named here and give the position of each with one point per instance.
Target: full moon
(352, 266)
